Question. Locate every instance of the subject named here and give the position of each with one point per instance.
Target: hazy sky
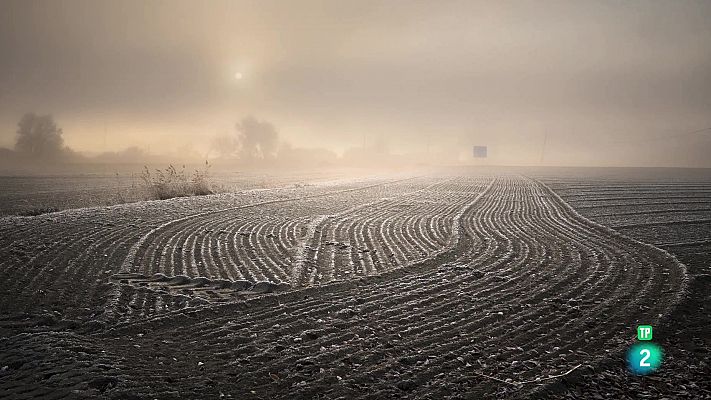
(609, 83)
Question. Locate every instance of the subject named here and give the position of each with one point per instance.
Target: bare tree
(258, 139)
(39, 137)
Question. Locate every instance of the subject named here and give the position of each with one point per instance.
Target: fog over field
(598, 83)
(346, 199)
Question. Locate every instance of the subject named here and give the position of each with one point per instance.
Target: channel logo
(645, 357)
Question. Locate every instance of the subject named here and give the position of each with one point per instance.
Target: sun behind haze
(600, 83)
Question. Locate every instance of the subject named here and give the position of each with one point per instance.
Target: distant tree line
(256, 142)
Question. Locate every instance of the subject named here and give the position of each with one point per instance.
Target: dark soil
(460, 285)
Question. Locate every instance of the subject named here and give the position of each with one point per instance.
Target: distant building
(479, 151)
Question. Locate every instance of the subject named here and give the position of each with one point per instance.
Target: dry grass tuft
(172, 182)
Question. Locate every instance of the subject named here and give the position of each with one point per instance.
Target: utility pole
(543, 150)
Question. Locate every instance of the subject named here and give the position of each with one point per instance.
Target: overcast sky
(609, 83)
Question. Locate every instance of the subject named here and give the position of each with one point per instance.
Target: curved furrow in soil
(152, 243)
(687, 324)
(75, 274)
(452, 243)
(512, 339)
(430, 368)
(354, 231)
(523, 272)
(522, 287)
(184, 246)
(63, 262)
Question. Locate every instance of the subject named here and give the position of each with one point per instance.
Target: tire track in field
(524, 277)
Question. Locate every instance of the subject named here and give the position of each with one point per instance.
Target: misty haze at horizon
(601, 83)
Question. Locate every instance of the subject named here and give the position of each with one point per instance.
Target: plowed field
(457, 284)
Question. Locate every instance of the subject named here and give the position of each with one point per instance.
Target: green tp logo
(644, 332)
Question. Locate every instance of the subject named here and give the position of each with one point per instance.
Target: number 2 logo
(643, 362)
(644, 358)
